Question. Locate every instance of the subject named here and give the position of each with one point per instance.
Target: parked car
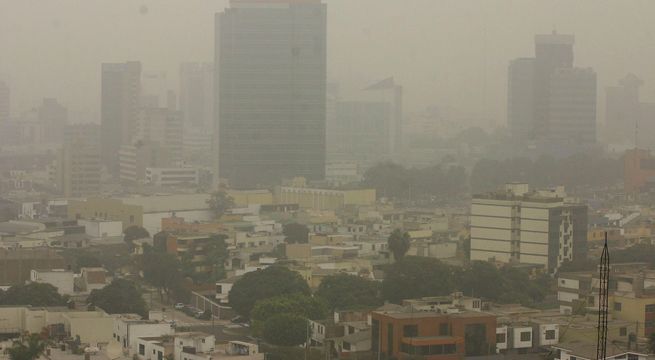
(179, 306)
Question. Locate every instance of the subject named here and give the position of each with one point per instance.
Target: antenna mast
(603, 301)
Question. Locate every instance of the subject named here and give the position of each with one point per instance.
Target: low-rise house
(129, 327)
(92, 278)
(93, 327)
(587, 351)
(194, 346)
(223, 288)
(62, 279)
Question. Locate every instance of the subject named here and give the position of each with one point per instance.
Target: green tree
(134, 232)
(220, 202)
(264, 284)
(34, 294)
(309, 307)
(296, 233)
(343, 291)
(161, 269)
(286, 330)
(215, 255)
(398, 244)
(414, 277)
(159, 240)
(121, 296)
(29, 347)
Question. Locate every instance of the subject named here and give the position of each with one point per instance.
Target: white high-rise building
(527, 227)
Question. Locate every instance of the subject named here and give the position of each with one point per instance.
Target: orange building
(638, 168)
(434, 336)
(177, 225)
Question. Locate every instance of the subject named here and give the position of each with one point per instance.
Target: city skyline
(480, 73)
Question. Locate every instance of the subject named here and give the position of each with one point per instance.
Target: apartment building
(519, 226)
(402, 332)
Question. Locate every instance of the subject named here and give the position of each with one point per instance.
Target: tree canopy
(29, 347)
(285, 330)
(398, 244)
(34, 294)
(135, 232)
(309, 307)
(296, 233)
(395, 181)
(576, 170)
(414, 277)
(263, 284)
(121, 296)
(220, 202)
(343, 291)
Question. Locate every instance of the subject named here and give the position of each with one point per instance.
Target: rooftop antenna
(603, 297)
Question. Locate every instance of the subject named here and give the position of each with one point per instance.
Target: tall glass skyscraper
(270, 90)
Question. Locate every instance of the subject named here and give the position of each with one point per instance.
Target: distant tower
(120, 99)
(5, 97)
(603, 300)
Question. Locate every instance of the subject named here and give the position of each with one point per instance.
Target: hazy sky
(445, 52)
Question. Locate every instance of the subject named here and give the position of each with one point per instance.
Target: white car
(179, 306)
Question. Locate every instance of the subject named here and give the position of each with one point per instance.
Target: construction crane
(603, 302)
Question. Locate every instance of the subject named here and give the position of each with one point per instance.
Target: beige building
(92, 327)
(322, 199)
(146, 211)
(78, 168)
(243, 198)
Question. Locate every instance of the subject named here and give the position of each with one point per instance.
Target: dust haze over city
(327, 179)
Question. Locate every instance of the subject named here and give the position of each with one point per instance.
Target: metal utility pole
(603, 302)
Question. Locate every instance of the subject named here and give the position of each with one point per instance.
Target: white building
(61, 279)
(100, 229)
(171, 176)
(194, 346)
(129, 327)
(520, 226)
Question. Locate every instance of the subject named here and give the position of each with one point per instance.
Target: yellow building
(634, 309)
(106, 209)
(243, 198)
(323, 199)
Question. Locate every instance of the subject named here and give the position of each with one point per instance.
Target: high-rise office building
(360, 131)
(551, 102)
(53, 117)
(197, 94)
(78, 169)
(572, 107)
(121, 90)
(5, 102)
(622, 110)
(271, 90)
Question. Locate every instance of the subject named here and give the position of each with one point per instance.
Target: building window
(501, 338)
(623, 331)
(633, 357)
(410, 330)
(650, 308)
(449, 348)
(476, 304)
(550, 334)
(526, 336)
(444, 329)
(142, 349)
(617, 306)
(346, 345)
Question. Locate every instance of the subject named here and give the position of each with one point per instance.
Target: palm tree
(29, 347)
